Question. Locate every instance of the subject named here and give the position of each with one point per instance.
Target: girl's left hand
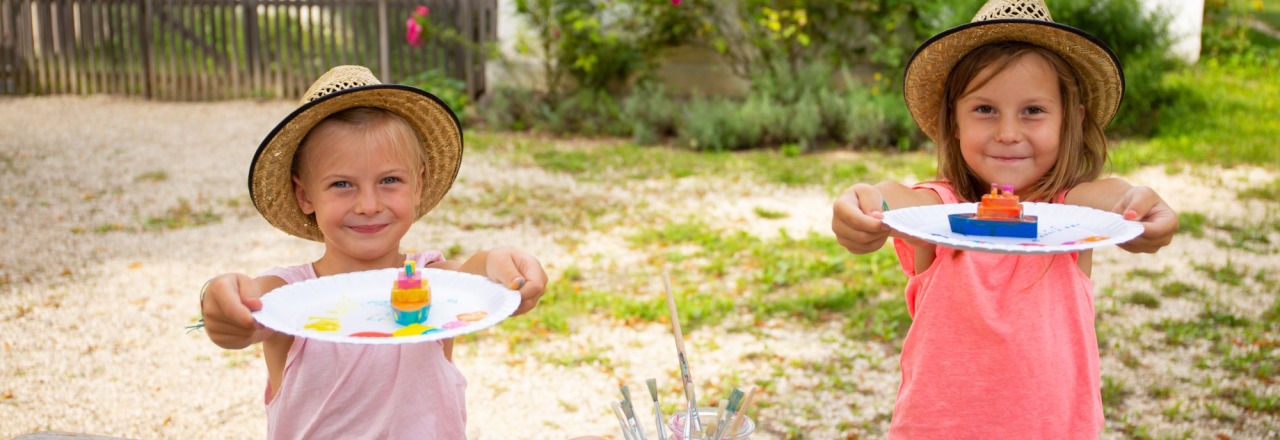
(1159, 222)
(518, 271)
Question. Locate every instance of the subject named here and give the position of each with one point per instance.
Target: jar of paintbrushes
(726, 421)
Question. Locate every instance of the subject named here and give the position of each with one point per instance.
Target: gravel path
(115, 211)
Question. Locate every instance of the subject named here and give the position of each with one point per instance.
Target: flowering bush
(417, 25)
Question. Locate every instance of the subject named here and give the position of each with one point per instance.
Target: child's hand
(1159, 222)
(518, 271)
(226, 305)
(857, 219)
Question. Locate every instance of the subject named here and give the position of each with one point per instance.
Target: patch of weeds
(1218, 412)
(1211, 325)
(152, 176)
(770, 214)
(1268, 192)
(1147, 274)
(1227, 274)
(1130, 360)
(566, 359)
(1143, 299)
(1114, 391)
(1192, 223)
(552, 209)
(1159, 391)
(1176, 411)
(108, 227)
(1178, 289)
(1252, 238)
(1253, 400)
(183, 216)
(1133, 431)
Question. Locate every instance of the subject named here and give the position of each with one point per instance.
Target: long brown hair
(1082, 150)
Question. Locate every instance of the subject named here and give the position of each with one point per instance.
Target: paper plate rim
(902, 221)
(510, 300)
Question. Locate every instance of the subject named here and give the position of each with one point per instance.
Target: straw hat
(1101, 79)
(342, 88)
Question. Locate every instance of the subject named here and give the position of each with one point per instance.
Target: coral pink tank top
(1000, 347)
(347, 391)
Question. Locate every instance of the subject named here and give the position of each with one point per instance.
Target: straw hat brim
(270, 175)
(1098, 68)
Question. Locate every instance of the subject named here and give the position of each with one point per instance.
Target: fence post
(384, 57)
(148, 55)
(252, 57)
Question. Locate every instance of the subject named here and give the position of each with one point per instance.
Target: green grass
(807, 279)
(183, 215)
(1228, 115)
(1269, 191)
(619, 161)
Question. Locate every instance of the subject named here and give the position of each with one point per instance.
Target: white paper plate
(355, 307)
(1062, 228)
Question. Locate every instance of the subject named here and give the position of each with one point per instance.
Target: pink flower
(413, 33)
(422, 10)
(675, 2)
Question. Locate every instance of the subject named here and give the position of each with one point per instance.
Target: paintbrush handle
(685, 378)
(622, 421)
(657, 417)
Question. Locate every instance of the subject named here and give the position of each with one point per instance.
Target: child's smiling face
(363, 193)
(1010, 128)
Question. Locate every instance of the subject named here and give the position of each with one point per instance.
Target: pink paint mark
(455, 324)
(370, 335)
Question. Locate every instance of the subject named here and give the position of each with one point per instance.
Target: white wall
(1188, 18)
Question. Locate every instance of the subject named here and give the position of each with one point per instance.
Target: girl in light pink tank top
(354, 168)
(333, 390)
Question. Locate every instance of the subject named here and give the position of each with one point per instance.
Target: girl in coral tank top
(1004, 346)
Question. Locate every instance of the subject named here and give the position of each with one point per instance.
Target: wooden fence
(227, 49)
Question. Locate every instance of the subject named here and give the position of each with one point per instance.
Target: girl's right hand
(858, 219)
(226, 306)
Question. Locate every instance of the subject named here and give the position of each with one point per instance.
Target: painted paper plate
(1062, 228)
(355, 307)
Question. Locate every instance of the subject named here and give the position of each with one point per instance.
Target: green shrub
(509, 108)
(653, 115)
(451, 90)
(806, 121)
(1142, 42)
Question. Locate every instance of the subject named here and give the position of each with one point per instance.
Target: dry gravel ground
(95, 292)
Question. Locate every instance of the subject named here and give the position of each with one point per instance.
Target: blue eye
(388, 180)
(341, 184)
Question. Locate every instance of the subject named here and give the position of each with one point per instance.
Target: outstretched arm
(858, 215)
(1139, 203)
(226, 304)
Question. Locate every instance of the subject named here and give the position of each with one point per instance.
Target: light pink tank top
(347, 391)
(1000, 347)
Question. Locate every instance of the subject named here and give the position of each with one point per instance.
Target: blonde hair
(1082, 149)
(371, 122)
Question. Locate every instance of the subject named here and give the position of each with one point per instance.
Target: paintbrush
(622, 421)
(742, 409)
(735, 399)
(692, 422)
(657, 410)
(630, 412)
